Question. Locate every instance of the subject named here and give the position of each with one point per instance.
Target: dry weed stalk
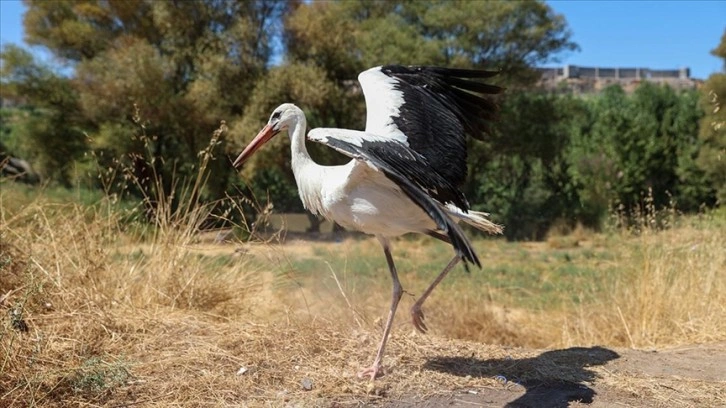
(668, 286)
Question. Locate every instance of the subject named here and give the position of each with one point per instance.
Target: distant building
(581, 79)
(11, 102)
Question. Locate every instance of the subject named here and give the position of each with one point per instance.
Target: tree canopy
(712, 156)
(156, 78)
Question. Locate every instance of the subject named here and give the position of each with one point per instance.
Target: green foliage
(152, 80)
(55, 144)
(695, 188)
(171, 71)
(521, 174)
(511, 36)
(50, 134)
(9, 140)
(567, 159)
(346, 37)
(274, 184)
(95, 376)
(628, 144)
(710, 158)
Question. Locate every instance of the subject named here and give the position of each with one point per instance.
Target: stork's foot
(418, 318)
(372, 372)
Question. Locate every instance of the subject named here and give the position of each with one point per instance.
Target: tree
(524, 180)
(511, 36)
(80, 30)
(346, 37)
(178, 67)
(695, 188)
(51, 134)
(712, 156)
(629, 146)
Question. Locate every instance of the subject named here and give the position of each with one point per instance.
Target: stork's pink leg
(416, 312)
(376, 370)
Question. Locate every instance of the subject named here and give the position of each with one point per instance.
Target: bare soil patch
(689, 376)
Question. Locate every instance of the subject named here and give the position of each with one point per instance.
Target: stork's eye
(275, 115)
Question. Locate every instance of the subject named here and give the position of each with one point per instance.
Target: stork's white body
(405, 166)
(360, 199)
(367, 201)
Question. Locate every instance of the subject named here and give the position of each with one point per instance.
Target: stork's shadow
(551, 380)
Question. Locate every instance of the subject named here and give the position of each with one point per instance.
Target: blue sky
(648, 34)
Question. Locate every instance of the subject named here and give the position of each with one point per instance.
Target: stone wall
(583, 79)
(577, 71)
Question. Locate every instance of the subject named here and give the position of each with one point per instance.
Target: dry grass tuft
(81, 299)
(669, 290)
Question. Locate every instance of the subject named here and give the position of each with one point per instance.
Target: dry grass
(670, 290)
(79, 305)
(93, 315)
(650, 289)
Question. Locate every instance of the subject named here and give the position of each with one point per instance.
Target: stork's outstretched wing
(431, 110)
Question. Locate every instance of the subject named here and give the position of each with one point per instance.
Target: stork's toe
(418, 318)
(372, 372)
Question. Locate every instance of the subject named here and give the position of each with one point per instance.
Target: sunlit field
(97, 310)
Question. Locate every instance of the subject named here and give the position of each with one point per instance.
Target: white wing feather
(382, 104)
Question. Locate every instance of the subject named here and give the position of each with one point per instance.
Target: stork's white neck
(300, 156)
(308, 174)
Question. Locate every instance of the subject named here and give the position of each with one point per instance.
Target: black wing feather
(439, 109)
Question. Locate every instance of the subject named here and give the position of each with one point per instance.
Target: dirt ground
(692, 376)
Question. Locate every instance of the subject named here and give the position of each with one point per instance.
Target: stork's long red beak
(263, 137)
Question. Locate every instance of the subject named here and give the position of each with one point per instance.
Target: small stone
(307, 384)
(373, 389)
(242, 370)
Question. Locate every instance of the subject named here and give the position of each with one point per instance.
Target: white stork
(405, 169)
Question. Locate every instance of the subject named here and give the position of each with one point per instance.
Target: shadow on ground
(551, 380)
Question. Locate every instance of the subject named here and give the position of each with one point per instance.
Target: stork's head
(283, 117)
